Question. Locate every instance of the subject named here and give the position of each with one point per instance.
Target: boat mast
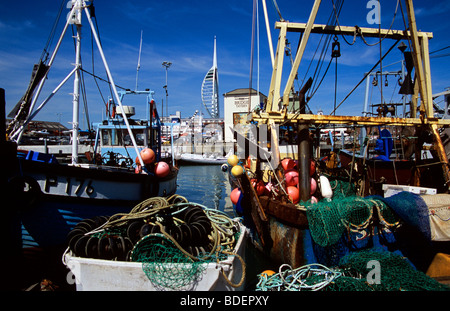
(139, 63)
(76, 19)
(113, 85)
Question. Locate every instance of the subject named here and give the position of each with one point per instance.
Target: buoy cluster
(287, 185)
(291, 179)
(236, 170)
(319, 184)
(160, 169)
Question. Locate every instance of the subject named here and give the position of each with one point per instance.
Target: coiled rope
(296, 279)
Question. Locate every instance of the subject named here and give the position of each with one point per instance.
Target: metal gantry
(276, 111)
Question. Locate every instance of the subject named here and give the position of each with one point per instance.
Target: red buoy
(313, 186)
(312, 168)
(258, 185)
(291, 177)
(235, 195)
(288, 164)
(162, 169)
(138, 169)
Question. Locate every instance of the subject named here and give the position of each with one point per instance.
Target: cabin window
(154, 135)
(123, 138)
(106, 138)
(140, 139)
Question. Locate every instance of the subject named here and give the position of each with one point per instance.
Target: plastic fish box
(390, 190)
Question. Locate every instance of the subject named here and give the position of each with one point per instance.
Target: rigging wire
(405, 25)
(312, 90)
(93, 16)
(102, 79)
(365, 76)
(250, 84)
(324, 52)
(440, 55)
(45, 53)
(362, 36)
(336, 14)
(277, 9)
(447, 47)
(93, 65)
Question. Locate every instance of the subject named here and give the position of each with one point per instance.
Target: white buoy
(325, 187)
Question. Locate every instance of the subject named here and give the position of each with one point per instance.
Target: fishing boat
(281, 198)
(52, 197)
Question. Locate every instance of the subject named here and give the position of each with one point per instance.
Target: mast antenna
(139, 62)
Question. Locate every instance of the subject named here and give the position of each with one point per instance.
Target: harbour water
(206, 185)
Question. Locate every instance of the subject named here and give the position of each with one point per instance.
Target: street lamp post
(166, 65)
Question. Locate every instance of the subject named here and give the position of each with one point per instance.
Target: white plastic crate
(390, 190)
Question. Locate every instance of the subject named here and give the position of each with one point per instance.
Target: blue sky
(182, 32)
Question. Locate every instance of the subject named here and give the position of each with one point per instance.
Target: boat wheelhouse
(113, 141)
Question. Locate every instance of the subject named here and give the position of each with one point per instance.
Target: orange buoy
(248, 165)
(288, 164)
(268, 273)
(291, 177)
(294, 194)
(313, 186)
(148, 156)
(235, 195)
(162, 169)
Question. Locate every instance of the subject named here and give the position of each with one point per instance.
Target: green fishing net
(329, 220)
(395, 273)
(168, 267)
(165, 265)
(341, 188)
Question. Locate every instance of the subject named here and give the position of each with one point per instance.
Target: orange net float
(148, 156)
(294, 194)
(235, 195)
(268, 273)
